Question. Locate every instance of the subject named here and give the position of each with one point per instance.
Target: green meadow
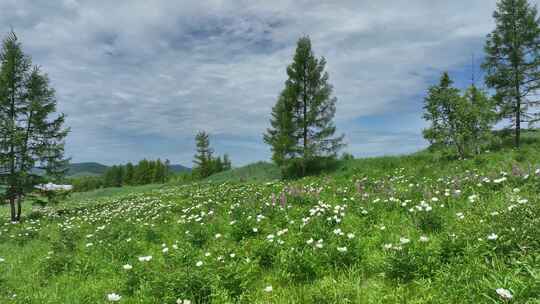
(421, 228)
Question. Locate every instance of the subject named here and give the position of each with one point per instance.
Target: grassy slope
(257, 172)
(48, 261)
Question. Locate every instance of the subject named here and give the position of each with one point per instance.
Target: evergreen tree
(118, 176)
(139, 177)
(203, 159)
(130, 174)
(512, 61)
(167, 169)
(226, 162)
(281, 136)
(159, 172)
(111, 177)
(29, 134)
(302, 119)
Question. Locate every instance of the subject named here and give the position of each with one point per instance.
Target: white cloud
(126, 71)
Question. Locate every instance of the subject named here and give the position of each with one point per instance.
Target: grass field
(411, 229)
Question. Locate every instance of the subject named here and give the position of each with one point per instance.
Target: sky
(137, 79)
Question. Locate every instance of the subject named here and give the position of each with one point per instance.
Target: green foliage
(257, 172)
(460, 123)
(390, 229)
(29, 135)
(205, 163)
(144, 173)
(512, 62)
(302, 128)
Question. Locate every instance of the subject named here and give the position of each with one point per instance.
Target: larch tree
(204, 157)
(30, 135)
(281, 136)
(512, 62)
(302, 128)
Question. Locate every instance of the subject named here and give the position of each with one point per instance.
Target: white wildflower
(342, 249)
(504, 293)
(113, 297)
(145, 258)
(404, 240)
(492, 237)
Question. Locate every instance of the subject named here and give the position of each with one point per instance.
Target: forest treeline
(156, 171)
(144, 173)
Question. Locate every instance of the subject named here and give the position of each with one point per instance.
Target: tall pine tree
(281, 136)
(302, 129)
(203, 159)
(512, 61)
(30, 135)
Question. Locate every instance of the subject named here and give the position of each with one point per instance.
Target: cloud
(140, 78)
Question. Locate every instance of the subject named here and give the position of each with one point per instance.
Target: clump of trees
(464, 123)
(205, 162)
(302, 129)
(460, 122)
(144, 173)
(30, 134)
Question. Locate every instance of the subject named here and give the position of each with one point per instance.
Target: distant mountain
(179, 168)
(86, 169)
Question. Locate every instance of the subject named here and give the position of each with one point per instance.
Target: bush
(295, 167)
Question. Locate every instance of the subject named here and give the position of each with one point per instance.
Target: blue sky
(137, 79)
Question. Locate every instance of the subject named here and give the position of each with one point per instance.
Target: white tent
(53, 187)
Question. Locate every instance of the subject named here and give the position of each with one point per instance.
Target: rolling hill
(86, 169)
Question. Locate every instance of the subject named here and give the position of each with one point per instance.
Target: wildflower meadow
(411, 229)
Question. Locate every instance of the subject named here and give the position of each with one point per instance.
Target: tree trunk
(305, 130)
(19, 208)
(518, 121)
(12, 207)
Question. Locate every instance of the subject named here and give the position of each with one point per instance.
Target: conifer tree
(167, 169)
(302, 119)
(30, 135)
(203, 159)
(226, 162)
(130, 172)
(512, 62)
(281, 136)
